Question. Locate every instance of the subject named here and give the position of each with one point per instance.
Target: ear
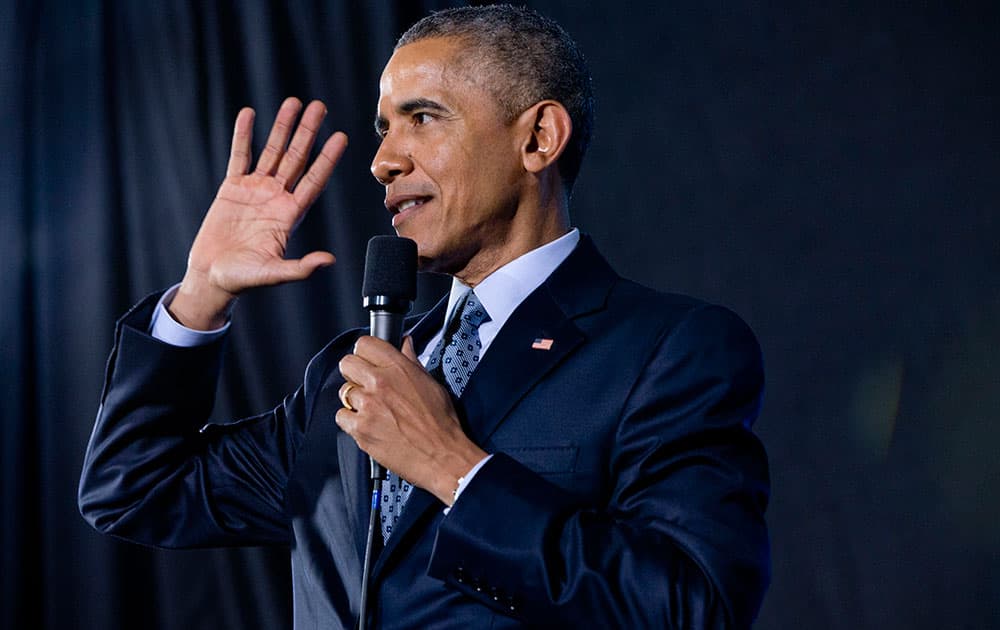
(547, 127)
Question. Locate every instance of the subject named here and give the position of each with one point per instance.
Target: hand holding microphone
(399, 414)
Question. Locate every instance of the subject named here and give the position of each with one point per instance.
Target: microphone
(388, 291)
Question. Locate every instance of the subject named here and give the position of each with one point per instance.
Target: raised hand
(243, 238)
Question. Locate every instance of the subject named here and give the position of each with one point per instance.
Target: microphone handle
(387, 326)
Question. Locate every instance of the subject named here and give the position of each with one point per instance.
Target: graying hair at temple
(534, 58)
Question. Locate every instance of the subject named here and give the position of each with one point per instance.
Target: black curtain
(831, 173)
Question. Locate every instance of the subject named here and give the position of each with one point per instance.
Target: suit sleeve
(154, 473)
(681, 543)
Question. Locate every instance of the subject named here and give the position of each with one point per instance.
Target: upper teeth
(409, 203)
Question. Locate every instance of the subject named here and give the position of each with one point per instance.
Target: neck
(537, 221)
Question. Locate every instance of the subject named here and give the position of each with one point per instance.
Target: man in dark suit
(591, 465)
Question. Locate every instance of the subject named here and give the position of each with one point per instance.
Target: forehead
(426, 61)
(431, 68)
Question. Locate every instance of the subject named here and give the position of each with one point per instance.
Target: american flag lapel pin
(542, 344)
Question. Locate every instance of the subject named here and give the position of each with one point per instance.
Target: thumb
(315, 260)
(299, 269)
(408, 350)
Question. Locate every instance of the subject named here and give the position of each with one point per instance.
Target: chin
(429, 260)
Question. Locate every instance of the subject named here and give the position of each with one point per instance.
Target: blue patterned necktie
(452, 361)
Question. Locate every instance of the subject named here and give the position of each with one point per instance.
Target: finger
(376, 351)
(293, 162)
(354, 369)
(278, 138)
(345, 395)
(408, 350)
(239, 153)
(314, 181)
(347, 420)
(356, 425)
(290, 270)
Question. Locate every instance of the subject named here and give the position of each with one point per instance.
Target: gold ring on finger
(344, 393)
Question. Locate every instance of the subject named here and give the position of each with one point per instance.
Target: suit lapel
(417, 508)
(355, 479)
(428, 324)
(513, 365)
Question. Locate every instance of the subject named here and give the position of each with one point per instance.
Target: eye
(421, 118)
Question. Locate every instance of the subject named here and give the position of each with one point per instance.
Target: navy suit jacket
(626, 488)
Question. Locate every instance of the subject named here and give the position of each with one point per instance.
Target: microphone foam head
(391, 269)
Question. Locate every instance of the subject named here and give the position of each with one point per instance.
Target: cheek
(483, 168)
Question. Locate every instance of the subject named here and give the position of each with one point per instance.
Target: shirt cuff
(463, 483)
(165, 328)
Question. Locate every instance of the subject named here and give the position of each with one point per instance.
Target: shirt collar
(503, 290)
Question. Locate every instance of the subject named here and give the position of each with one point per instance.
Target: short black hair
(534, 58)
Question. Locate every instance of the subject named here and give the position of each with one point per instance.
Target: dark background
(828, 172)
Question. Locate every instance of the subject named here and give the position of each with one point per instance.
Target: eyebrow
(408, 107)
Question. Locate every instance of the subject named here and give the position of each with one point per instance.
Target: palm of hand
(246, 233)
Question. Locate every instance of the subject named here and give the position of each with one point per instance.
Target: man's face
(449, 161)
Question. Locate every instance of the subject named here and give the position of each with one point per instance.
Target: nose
(390, 162)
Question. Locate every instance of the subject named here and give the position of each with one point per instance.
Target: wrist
(452, 475)
(199, 305)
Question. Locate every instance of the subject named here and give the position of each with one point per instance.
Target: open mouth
(410, 203)
(406, 207)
